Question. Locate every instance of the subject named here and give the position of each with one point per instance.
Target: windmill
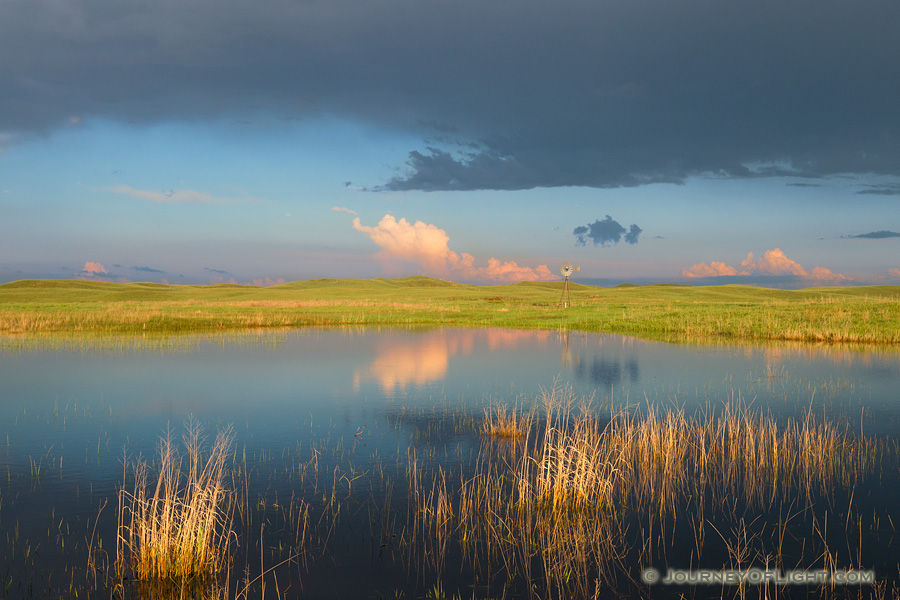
(566, 269)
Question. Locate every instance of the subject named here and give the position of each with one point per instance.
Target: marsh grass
(573, 507)
(733, 312)
(501, 421)
(596, 493)
(174, 528)
(657, 458)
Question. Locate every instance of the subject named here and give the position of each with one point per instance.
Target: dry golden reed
(505, 422)
(559, 512)
(175, 527)
(657, 458)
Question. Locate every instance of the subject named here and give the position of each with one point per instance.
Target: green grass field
(674, 312)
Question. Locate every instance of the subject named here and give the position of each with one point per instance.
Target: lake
(346, 440)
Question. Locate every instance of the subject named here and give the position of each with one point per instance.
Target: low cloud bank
(772, 262)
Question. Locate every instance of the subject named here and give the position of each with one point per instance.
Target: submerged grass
(593, 496)
(656, 459)
(174, 529)
(848, 314)
(573, 506)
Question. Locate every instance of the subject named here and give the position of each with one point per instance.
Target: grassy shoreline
(730, 313)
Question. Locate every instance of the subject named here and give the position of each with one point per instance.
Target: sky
(483, 141)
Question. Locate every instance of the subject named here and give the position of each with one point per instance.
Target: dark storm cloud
(875, 235)
(607, 231)
(534, 93)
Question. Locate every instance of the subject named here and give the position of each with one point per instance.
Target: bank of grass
(732, 312)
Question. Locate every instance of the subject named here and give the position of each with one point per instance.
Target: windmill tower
(566, 269)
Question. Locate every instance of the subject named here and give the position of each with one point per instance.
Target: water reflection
(355, 400)
(603, 372)
(404, 360)
(510, 339)
(876, 361)
(611, 362)
(281, 373)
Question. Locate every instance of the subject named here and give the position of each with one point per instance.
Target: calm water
(359, 400)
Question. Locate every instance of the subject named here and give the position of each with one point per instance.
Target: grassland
(731, 313)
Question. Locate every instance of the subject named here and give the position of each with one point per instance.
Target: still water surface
(69, 415)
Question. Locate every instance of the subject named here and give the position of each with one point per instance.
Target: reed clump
(174, 528)
(587, 483)
(658, 458)
(505, 422)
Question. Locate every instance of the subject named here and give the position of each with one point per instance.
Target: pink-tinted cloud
(894, 273)
(772, 262)
(219, 279)
(266, 282)
(94, 268)
(343, 209)
(713, 269)
(826, 275)
(429, 246)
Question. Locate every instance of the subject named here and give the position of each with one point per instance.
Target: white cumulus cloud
(429, 246)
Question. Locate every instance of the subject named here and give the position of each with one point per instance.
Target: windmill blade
(566, 269)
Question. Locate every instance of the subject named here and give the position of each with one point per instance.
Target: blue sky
(200, 141)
